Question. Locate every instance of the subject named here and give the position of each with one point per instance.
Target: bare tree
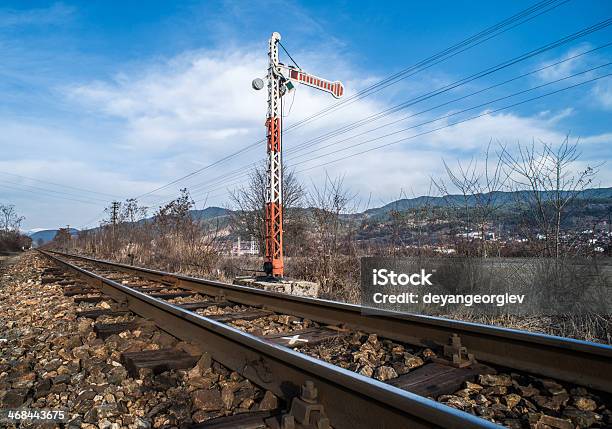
(547, 183)
(62, 239)
(248, 202)
(9, 220)
(11, 238)
(479, 185)
(410, 226)
(331, 236)
(131, 212)
(180, 240)
(130, 215)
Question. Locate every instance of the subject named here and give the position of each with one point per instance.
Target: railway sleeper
(309, 336)
(435, 379)
(146, 289)
(157, 361)
(94, 314)
(79, 290)
(105, 330)
(250, 420)
(171, 295)
(51, 279)
(204, 304)
(305, 412)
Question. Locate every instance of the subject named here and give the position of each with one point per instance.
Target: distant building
(250, 247)
(477, 235)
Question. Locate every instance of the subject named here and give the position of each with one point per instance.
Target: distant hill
(219, 217)
(46, 235)
(210, 213)
(451, 200)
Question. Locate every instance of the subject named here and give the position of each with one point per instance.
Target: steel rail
(350, 399)
(581, 362)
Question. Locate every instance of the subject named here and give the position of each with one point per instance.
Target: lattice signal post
(281, 79)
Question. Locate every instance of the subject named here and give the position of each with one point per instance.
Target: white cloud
(566, 67)
(193, 100)
(597, 139)
(603, 92)
(202, 99)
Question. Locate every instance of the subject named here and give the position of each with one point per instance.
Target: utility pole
(114, 216)
(114, 212)
(281, 80)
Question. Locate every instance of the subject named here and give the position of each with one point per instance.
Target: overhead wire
(94, 219)
(17, 184)
(304, 145)
(431, 61)
(461, 121)
(43, 193)
(470, 108)
(426, 96)
(488, 113)
(90, 191)
(289, 55)
(396, 77)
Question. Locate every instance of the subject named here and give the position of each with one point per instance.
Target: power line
(458, 122)
(435, 59)
(467, 109)
(88, 223)
(57, 184)
(289, 55)
(193, 173)
(93, 199)
(304, 145)
(490, 31)
(471, 78)
(43, 193)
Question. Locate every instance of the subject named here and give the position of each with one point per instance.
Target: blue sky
(105, 99)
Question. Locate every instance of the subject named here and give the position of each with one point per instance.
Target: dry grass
(588, 327)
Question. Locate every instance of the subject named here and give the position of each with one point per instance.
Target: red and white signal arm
(334, 88)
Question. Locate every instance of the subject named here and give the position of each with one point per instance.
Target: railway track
(280, 342)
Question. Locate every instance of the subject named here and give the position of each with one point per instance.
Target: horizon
(359, 211)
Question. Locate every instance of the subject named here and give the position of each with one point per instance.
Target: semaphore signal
(281, 80)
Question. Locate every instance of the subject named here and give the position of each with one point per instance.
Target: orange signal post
(280, 81)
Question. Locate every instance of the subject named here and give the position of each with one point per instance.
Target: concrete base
(288, 286)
